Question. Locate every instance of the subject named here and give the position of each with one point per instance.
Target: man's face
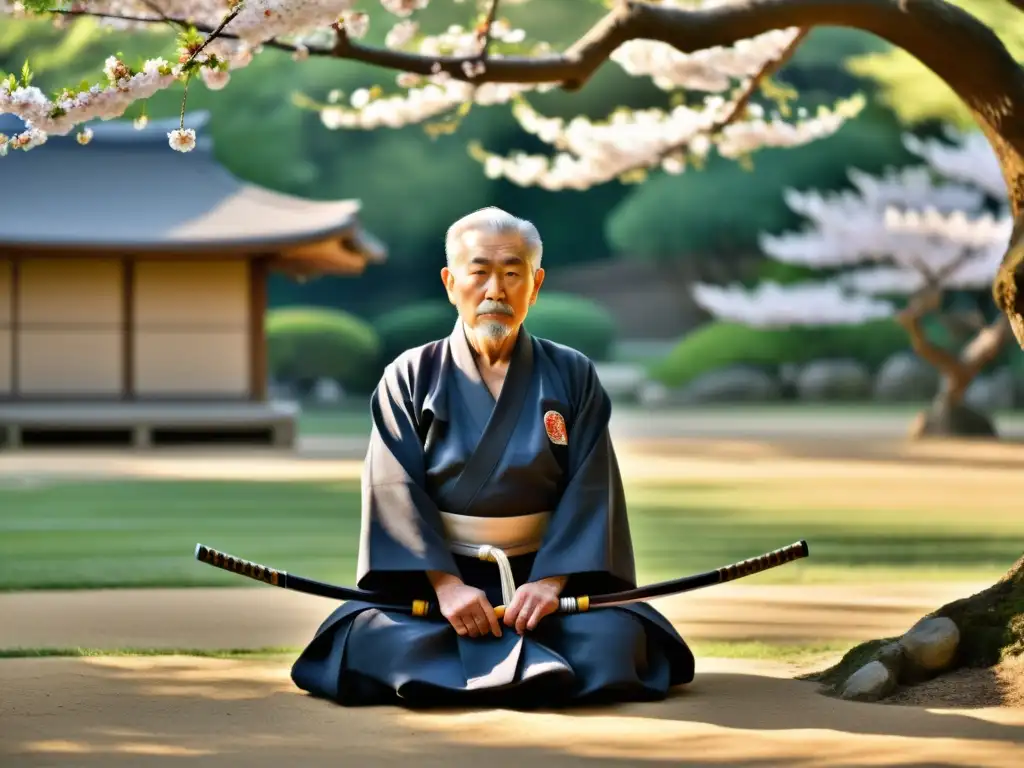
(491, 284)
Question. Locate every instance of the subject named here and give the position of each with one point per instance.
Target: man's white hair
(498, 222)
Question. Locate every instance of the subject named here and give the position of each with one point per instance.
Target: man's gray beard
(495, 330)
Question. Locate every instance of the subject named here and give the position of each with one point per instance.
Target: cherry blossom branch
(212, 36)
(983, 74)
(770, 67)
(183, 24)
(484, 30)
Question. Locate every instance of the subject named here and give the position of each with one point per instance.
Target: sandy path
(166, 711)
(265, 617)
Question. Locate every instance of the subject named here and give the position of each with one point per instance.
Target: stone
(994, 392)
(871, 682)
(892, 656)
(931, 644)
(905, 378)
(622, 381)
(827, 380)
(652, 394)
(327, 392)
(944, 420)
(735, 384)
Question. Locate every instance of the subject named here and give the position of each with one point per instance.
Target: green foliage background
(412, 186)
(917, 95)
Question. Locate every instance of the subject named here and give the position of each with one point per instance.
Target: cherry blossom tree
(679, 45)
(226, 34)
(725, 48)
(910, 234)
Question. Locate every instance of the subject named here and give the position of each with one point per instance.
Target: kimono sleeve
(401, 534)
(588, 536)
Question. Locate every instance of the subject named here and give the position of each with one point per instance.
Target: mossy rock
(852, 660)
(991, 625)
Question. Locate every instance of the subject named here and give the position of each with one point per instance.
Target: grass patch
(348, 421)
(788, 652)
(225, 653)
(143, 533)
(762, 651)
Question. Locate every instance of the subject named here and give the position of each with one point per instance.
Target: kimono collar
(458, 353)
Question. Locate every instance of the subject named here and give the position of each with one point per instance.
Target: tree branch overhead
(982, 73)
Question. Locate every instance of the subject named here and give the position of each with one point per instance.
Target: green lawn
(348, 421)
(353, 420)
(143, 533)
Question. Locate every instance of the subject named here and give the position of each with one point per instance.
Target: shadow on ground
(171, 710)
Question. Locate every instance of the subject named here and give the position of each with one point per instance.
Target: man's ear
(448, 279)
(538, 281)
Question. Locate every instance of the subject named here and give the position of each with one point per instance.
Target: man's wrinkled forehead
(491, 246)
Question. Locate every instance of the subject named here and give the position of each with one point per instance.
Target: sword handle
(242, 567)
(579, 604)
(763, 562)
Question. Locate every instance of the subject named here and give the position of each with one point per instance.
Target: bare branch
(485, 30)
(213, 35)
(180, 24)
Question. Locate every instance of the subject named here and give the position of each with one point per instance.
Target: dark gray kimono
(431, 413)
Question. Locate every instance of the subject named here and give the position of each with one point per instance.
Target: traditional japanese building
(133, 289)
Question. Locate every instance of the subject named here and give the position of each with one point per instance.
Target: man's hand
(465, 607)
(532, 602)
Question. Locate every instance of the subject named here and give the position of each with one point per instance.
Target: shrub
(721, 345)
(574, 321)
(306, 343)
(413, 325)
(563, 318)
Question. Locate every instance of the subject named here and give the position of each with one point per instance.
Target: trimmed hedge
(563, 318)
(412, 326)
(574, 321)
(721, 345)
(309, 343)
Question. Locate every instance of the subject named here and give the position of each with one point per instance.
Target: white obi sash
(496, 539)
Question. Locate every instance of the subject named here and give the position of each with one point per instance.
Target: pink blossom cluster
(891, 234)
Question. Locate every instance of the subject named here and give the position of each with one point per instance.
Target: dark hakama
(440, 443)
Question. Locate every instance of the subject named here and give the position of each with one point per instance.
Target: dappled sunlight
(147, 749)
(636, 740)
(225, 465)
(182, 676)
(113, 711)
(733, 718)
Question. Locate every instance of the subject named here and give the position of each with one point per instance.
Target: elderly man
(494, 439)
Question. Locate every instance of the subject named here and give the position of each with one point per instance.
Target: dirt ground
(263, 617)
(114, 712)
(174, 710)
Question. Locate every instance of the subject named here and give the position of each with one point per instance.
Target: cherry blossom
(584, 152)
(893, 235)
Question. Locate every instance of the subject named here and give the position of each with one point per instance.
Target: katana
(576, 604)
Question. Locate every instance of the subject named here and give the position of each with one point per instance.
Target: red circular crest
(555, 426)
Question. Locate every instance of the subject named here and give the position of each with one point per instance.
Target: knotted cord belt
(495, 539)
